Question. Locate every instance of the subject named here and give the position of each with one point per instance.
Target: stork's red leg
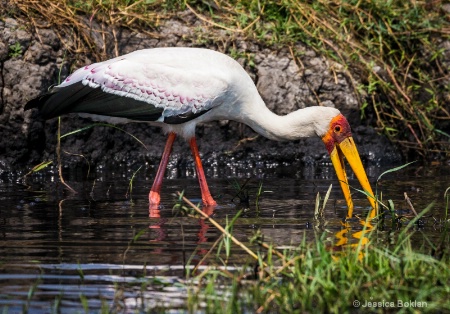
(154, 195)
(206, 195)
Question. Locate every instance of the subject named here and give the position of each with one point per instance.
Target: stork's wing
(132, 88)
(79, 98)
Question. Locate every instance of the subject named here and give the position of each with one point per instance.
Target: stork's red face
(339, 143)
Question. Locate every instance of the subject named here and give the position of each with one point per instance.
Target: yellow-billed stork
(177, 88)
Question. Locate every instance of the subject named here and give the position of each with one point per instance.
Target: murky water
(99, 248)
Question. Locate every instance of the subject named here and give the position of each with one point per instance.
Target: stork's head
(339, 143)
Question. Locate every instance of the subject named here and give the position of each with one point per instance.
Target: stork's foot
(154, 198)
(208, 200)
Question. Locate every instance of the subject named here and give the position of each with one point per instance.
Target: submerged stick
(408, 200)
(58, 156)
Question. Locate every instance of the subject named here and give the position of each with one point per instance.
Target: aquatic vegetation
(339, 278)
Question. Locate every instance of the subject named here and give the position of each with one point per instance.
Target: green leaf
(107, 125)
(391, 205)
(41, 166)
(442, 132)
(395, 169)
(325, 200)
(37, 168)
(130, 185)
(139, 234)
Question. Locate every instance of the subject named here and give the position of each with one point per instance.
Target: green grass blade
(395, 169)
(317, 206)
(415, 219)
(106, 125)
(39, 167)
(130, 185)
(442, 132)
(325, 200)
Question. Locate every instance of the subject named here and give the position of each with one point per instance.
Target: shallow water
(99, 247)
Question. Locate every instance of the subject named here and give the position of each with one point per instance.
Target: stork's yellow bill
(339, 143)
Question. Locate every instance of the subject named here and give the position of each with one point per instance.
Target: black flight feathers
(79, 98)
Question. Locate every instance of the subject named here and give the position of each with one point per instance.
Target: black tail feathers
(37, 102)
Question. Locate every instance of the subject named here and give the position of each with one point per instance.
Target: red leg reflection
(209, 210)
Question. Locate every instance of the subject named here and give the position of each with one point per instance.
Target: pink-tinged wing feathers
(176, 88)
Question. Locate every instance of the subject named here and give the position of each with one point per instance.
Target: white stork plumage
(177, 88)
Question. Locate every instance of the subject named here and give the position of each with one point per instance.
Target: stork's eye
(337, 129)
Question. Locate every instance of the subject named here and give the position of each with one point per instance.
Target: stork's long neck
(307, 122)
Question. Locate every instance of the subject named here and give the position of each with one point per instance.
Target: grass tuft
(315, 276)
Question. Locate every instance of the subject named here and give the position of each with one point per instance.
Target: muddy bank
(34, 58)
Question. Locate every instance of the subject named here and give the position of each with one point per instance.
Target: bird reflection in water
(161, 233)
(352, 240)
